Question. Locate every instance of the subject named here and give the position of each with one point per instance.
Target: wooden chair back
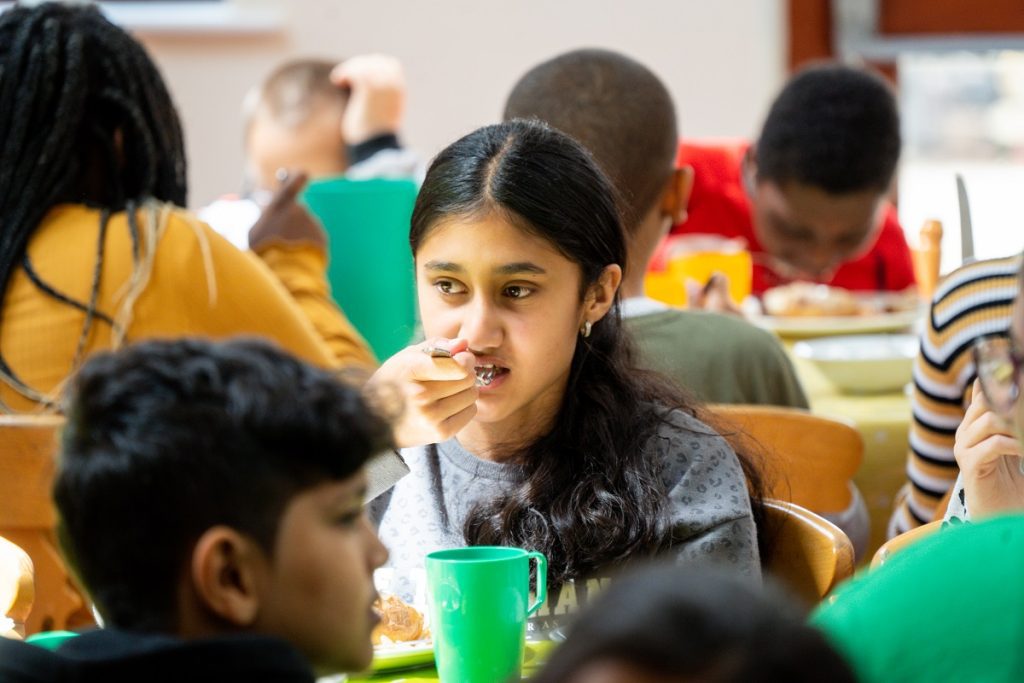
(810, 459)
(898, 543)
(808, 553)
(17, 588)
(28, 447)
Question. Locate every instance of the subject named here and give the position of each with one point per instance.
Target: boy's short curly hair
(833, 127)
(615, 107)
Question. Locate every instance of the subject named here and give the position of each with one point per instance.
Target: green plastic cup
(479, 600)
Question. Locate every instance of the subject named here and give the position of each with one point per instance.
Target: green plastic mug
(479, 602)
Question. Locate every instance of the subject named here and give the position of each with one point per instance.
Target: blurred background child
(325, 119)
(810, 195)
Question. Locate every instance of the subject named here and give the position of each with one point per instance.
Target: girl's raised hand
(438, 393)
(990, 457)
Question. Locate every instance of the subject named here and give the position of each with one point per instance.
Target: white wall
(723, 60)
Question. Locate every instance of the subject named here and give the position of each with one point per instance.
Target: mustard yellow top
(185, 280)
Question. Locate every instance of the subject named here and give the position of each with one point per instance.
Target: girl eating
(526, 423)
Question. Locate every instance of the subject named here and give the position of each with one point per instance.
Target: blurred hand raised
(989, 456)
(713, 296)
(377, 100)
(285, 221)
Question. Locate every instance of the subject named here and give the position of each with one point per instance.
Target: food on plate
(808, 299)
(399, 622)
(896, 302)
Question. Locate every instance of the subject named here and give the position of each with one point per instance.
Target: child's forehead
(333, 492)
(485, 236)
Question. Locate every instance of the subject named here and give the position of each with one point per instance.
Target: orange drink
(700, 266)
(698, 257)
(663, 286)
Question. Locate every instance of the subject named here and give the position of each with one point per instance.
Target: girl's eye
(448, 287)
(518, 291)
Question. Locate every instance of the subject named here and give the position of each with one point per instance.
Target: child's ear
(677, 194)
(225, 572)
(602, 293)
(750, 166)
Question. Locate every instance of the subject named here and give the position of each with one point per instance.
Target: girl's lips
(482, 359)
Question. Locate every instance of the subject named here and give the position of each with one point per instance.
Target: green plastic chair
(370, 267)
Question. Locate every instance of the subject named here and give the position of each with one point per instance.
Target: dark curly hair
(832, 127)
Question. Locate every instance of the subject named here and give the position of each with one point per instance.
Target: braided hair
(84, 118)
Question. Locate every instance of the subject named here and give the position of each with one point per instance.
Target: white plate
(410, 586)
(811, 326)
(863, 364)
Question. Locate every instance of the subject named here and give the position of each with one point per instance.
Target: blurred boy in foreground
(210, 499)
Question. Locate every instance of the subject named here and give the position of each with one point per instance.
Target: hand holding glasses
(987, 448)
(999, 370)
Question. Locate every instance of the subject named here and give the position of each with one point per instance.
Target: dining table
(883, 421)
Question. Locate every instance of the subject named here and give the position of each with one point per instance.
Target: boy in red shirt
(809, 196)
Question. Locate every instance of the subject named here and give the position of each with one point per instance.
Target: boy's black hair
(699, 625)
(166, 439)
(832, 127)
(617, 108)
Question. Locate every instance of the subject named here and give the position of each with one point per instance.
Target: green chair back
(370, 267)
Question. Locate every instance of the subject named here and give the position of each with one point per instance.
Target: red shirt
(719, 206)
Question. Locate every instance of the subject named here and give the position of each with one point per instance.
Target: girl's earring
(585, 328)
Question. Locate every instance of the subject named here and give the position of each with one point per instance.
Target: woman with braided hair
(95, 250)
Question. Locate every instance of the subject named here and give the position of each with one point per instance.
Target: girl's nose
(481, 325)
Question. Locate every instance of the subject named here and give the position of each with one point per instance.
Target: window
(191, 17)
(963, 112)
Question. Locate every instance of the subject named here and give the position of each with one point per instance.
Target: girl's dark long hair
(591, 497)
(84, 118)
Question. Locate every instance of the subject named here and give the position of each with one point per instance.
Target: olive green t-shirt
(719, 358)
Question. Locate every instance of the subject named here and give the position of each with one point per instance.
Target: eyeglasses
(999, 367)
